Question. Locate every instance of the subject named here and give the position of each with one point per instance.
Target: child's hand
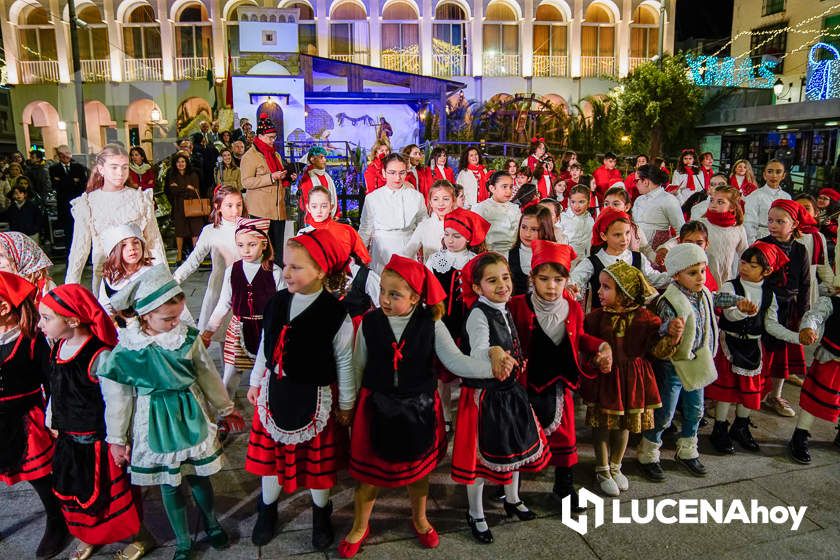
(574, 290)
(233, 423)
(603, 359)
(676, 328)
(661, 253)
(748, 307)
(54, 433)
(807, 336)
(344, 417)
(206, 337)
(120, 454)
(253, 393)
(498, 358)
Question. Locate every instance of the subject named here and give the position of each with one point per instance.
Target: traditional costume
(29, 259)
(313, 177)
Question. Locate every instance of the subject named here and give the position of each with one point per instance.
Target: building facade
(142, 56)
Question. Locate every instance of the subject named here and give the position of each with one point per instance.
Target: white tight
(722, 411)
(271, 492)
(231, 378)
(806, 420)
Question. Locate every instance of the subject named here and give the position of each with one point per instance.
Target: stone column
(167, 40)
(115, 37)
(575, 38)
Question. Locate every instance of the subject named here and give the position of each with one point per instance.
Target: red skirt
(40, 447)
(466, 465)
(731, 387)
(367, 467)
(117, 519)
(821, 391)
(313, 464)
(563, 441)
(781, 362)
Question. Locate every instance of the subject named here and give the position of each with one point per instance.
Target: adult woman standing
(140, 172)
(227, 173)
(108, 202)
(183, 184)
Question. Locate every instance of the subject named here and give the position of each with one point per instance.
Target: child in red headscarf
(93, 489)
(302, 386)
(791, 285)
(26, 446)
(398, 428)
(550, 325)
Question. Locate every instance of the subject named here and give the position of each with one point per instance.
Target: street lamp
(779, 90)
(155, 115)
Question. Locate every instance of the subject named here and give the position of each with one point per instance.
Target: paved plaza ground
(768, 477)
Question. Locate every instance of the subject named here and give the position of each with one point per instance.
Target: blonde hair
(378, 144)
(749, 176)
(96, 180)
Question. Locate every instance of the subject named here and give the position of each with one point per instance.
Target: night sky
(703, 19)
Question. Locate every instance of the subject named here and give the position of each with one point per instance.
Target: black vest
(831, 338)
(597, 267)
(519, 278)
(357, 301)
(454, 302)
(308, 354)
(500, 335)
(76, 402)
(751, 326)
(546, 358)
(23, 368)
(414, 373)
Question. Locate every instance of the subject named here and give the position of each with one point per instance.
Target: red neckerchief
(480, 175)
(816, 258)
(720, 219)
(707, 176)
(269, 154)
(690, 183)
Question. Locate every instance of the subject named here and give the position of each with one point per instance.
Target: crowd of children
(522, 289)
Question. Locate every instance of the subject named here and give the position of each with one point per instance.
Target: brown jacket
(266, 198)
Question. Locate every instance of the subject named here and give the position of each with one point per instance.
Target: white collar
(132, 338)
(748, 284)
(307, 298)
(603, 253)
(498, 306)
(445, 260)
(10, 335)
(227, 224)
(768, 189)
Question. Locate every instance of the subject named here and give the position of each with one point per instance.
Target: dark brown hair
(437, 310)
(581, 189)
(543, 216)
(27, 317)
(556, 267)
(487, 259)
(465, 158)
(618, 191)
(734, 196)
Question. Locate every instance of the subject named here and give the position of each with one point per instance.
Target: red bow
(536, 139)
(398, 356)
(278, 351)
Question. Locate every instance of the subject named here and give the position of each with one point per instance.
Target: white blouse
(386, 209)
(656, 211)
(578, 230)
(752, 292)
(428, 236)
(504, 223)
(756, 207)
(95, 212)
(467, 179)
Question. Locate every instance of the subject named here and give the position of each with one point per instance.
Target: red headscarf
(831, 194)
(773, 253)
(605, 219)
(14, 289)
(789, 206)
(74, 300)
(421, 279)
(468, 295)
(331, 255)
(543, 252)
(469, 224)
(807, 224)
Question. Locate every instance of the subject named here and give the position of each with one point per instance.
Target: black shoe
(652, 471)
(513, 509)
(56, 538)
(798, 446)
(704, 422)
(322, 529)
(740, 432)
(218, 537)
(266, 523)
(484, 537)
(720, 438)
(564, 486)
(836, 442)
(694, 466)
(498, 494)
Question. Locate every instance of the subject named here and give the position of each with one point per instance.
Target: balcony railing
(358, 58)
(38, 71)
(191, 68)
(594, 66)
(401, 62)
(635, 62)
(96, 70)
(501, 65)
(234, 64)
(143, 69)
(550, 65)
(450, 65)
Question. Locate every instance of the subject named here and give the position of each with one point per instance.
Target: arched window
(550, 55)
(37, 36)
(644, 35)
(401, 37)
(597, 42)
(141, 41)
(449, 41)
(307, 35)
(93, 35)
(501, 40)
(349, 33)
(193, 37)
